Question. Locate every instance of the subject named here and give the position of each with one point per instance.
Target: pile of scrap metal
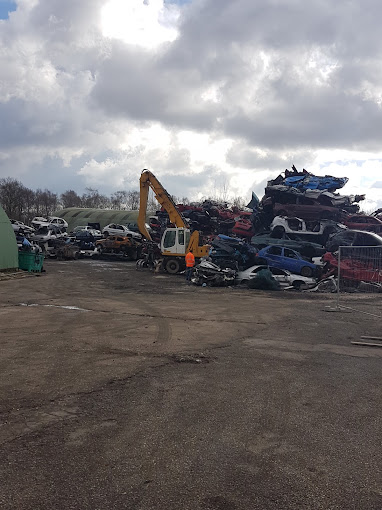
(209, 218)
(302, 195)
(304, 180)
(230, 252)
(209, 274)
(150, 255)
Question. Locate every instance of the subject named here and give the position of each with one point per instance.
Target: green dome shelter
(9, 255)
(76, 216)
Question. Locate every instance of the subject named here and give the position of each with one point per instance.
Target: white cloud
(208, 94)
(145, 24)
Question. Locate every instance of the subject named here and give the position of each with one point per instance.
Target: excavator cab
(175, 241)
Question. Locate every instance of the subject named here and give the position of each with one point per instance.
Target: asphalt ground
(122, 389)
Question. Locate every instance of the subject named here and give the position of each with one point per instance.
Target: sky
(214, 97)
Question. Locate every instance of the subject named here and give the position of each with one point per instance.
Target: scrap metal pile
(301, 217)
(287, 239)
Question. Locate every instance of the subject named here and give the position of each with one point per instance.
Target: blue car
(285, 258)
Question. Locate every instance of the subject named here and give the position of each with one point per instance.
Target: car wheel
(306, 271)
(106, 234)
(243, 282)
(297, 284)
(173, 266)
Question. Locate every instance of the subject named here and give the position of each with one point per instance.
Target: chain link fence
(359, 282)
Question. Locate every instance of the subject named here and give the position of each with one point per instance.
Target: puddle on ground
(56, 306)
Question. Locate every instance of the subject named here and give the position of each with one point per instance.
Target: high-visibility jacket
(190, 260)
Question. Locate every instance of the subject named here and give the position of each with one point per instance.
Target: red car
(363, 222)
(351, 269)
(307, 209)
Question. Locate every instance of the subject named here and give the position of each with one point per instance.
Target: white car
(19, 226)
(45, 234)
(120, 230)
(39, 221)
(284, 277)
(97, 234)
(311, 230)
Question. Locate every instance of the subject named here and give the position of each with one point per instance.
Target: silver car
(120, 230)
(284, 277)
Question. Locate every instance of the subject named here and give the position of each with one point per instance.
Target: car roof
(373, 234)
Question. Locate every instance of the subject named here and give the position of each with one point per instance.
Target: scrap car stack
(288, 239)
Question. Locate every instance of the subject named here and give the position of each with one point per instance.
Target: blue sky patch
(6, 7)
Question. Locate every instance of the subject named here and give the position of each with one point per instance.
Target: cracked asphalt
(121, 389)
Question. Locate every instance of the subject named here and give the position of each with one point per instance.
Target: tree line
(22, 203)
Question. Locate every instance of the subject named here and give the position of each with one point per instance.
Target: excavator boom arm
(147, 181)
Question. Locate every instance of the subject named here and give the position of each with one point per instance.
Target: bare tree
(119, 200)
(28, 201)
(70, 199)
(94, 199)
(133, 200)
(238, 202)
(46, 202)
(11, 191)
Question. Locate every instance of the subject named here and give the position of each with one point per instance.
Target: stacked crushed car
(49, 237)
(287, 239)
(300, 218)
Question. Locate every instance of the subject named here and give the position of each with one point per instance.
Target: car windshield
(77, 229)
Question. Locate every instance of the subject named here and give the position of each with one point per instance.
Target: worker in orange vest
(190, 262)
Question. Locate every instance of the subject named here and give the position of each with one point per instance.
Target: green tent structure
(9, 255)
(76, 216)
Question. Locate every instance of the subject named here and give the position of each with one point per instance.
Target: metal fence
(359, 283)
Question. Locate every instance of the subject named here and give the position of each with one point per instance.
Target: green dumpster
(31, 262)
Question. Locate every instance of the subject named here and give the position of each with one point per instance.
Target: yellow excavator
(177, 241)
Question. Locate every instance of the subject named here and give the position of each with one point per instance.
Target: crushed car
(54, 221)
(126, 246)
(317, 231)
(97, 234)
(209, 274)
(231, 252)
(351, 269)
(20, 227)
(353, 238)
(364, 222)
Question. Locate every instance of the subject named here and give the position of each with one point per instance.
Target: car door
(274, 255)
(292, 260)
(109, 242)
(120, 241)
(280, 275)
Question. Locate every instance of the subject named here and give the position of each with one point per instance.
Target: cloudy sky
(214, 96)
